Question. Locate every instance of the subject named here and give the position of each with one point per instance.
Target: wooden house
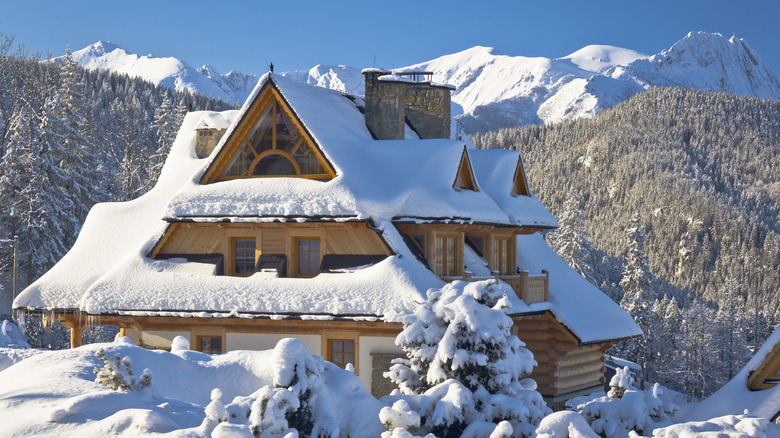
(326, 217)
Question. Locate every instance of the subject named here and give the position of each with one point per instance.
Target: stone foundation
(380, 363)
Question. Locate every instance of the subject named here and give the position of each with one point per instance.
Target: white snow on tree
(118, 374)
(626, 408)
(166, 126)
(463, 360)
(215, 411)
(571, 239)
(269, 413)
(638, 294)
(620, 382)
(298, 371)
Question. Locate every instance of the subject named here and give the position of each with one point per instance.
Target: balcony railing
(531, 288)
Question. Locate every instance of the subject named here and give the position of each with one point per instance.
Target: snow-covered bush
(215, 411)
(398, 416)
(564, 424)
(293, 406)
(118, 374)
(468, 367)
(179, 344)
(635, 410)
(296, 369)
(270, 410)
(620, 382)
(11, 335)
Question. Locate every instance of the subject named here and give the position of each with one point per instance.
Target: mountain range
(494, 90)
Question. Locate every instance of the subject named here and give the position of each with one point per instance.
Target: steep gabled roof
(497, 172)
(395, 179)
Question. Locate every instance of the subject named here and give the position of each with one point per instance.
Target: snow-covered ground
(192, 394)
(54, 393)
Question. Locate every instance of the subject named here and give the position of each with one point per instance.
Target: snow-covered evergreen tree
(166, 125)
(65, 132)
(571, 239)
(638, 294)
(458, 344)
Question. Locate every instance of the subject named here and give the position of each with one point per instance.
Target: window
(341, 352)
(502, 255)
(243, 256)
(275, 147)
(446, 264)
(210, 344)
(307, 256)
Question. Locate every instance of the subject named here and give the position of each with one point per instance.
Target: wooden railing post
(546, 284)
(524, 286)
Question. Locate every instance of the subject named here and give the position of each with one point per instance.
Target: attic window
(465, 179)
(520, 184)
(275, 146)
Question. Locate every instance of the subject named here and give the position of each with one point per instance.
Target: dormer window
(520, 183)
(465, 180)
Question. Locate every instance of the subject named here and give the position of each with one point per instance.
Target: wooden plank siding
(563, 365)
(271, 238)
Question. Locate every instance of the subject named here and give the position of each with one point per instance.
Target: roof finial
(271, 67)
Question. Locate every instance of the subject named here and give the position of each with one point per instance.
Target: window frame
(233, 254)
(341, 335)
(502, 260)
(439, 266)
(296, 255)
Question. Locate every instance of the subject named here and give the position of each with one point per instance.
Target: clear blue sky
(245, 35)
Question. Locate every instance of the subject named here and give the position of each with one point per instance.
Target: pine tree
(166, 125)
(459, 341)
(571, 240)
(638, 293)
(65, 131)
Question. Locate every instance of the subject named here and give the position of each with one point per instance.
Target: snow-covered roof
(735, 398)
(108, 271)
(579, 306)
(380, 179)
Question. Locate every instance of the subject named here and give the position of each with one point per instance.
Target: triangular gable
(269, 141)
(465, 180)
(520, 183)
(765, 376)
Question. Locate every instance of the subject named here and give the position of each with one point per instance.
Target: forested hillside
(69, 138)
(701, 168)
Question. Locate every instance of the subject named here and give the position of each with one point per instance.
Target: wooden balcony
(531, 288)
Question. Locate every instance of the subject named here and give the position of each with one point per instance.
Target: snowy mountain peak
(210, 71)
(600, 58)
(495, 90)
(712, 62)
(101, 48)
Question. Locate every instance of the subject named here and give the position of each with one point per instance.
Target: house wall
(273, 238)
(371, 339)
(565, 368)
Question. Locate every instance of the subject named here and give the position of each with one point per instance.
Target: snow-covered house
(326, 217)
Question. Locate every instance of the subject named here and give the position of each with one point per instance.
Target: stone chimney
(207, 139)
(394, 99)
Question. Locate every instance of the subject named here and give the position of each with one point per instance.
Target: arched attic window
(465, 180)
(520, 184)
(275, 146)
